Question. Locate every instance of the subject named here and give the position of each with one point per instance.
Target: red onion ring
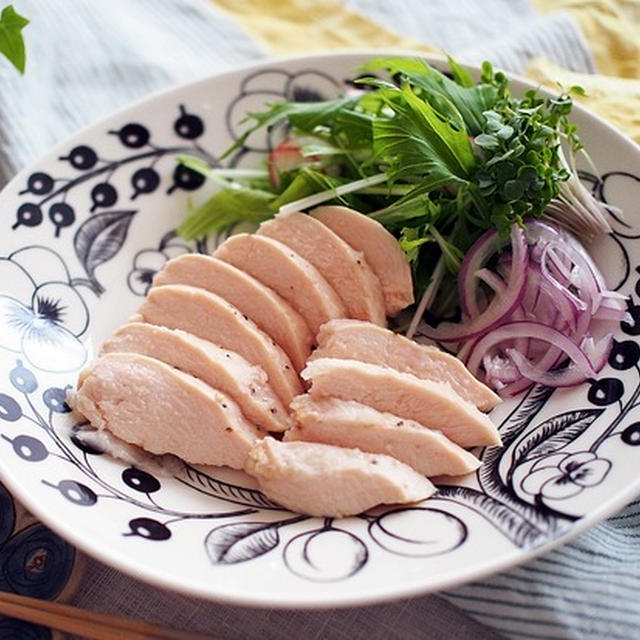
(542, 298)
(500, 307)
(527, 329)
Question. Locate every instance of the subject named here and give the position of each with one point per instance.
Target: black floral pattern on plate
(526, 490)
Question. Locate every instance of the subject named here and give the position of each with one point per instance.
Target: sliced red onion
(492, 279)
(542, 298)
(604, 313)
(536, 330)
(475, 258)
(549, 359)
(567, 377)
(586, 276)
(540, 233)
(580, 250)
(598, 352)
(579, 304)
(500, 371)
(499, 286)
(552, 295)
(613, 306)
(532, 291)
(499, 308)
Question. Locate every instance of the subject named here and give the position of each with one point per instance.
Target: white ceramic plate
(83, 231)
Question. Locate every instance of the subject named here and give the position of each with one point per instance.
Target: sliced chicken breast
(346, 423)
(323, 480)
(381, 251)
(163, 410)
(355, 340)
(272, 313)
(209, 316)
(221, 369)
(288, 274)
(433, 404)
(345, 270)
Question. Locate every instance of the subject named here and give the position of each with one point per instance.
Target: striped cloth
(87, 58)
(586, 589)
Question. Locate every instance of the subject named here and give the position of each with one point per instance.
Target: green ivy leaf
(11, 41)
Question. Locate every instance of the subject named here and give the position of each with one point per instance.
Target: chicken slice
(163, 410)
(222, 369)
(432, 404)
(345, 270)
(288, 274)
(381, 251)
(209, 316)
(346, 423)
(272, 313)
(356, 340)
(323, 480)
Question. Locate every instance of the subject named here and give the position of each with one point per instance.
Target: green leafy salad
(437, 160)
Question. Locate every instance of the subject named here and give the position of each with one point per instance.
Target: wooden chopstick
(85, 623)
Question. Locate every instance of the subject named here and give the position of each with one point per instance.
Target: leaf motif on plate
(224, 490)
(239, 542)
(554, 434)
(514, 526)
(489, 478)
(99, 238)
(523, 414)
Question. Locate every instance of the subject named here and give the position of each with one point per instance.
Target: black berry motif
(140, 480)
(97, 173)
(39, 184)
(84, 446)
(9, 409)
(497, 497)
(149, 529)
(624, 355)
(55, 399)
(188, 125)
(631, 435)
(28, 214)
(185, 178)
(22, 378)
(305, 554)
(632, 328)
(605, 391)
(103, 195)
(133, 135)
(77, 493)
(81, 157)
(62, 215)
(144, 180)
(29, 448)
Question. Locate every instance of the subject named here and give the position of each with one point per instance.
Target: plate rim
(228, 594)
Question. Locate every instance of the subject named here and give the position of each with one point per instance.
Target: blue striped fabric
(89, 57)
(586, 589)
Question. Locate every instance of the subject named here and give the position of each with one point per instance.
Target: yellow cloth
(299, 26)
(611, 27)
